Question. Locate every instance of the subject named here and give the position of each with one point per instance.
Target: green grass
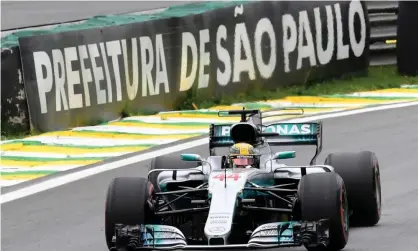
(378, 78)
(383, 77)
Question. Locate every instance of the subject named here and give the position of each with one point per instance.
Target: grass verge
(380, 77)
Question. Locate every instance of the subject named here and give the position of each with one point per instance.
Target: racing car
(191, 202)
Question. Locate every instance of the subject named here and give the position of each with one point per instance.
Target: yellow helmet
(243, 154)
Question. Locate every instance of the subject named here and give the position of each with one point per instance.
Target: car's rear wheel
(323, 196)
(361, 175)
(126, 203)
(168, 162)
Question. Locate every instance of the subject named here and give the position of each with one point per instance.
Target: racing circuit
(71, 217)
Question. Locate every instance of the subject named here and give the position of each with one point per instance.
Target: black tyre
(168, 162)
(126, 203)
(361, 175)
(323, 196)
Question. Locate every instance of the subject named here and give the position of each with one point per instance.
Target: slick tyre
(361, 175)
(168, 162)
(127, 203)
(323, 196)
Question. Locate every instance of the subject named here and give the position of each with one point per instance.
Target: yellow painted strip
(312, 99)
(226, 107)
(115, 135)
(70, 150)
(22, 177)
(190, 115)
(167, 126)
(395, 90)
(43, 163)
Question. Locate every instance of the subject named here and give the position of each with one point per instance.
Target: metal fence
(383, 17)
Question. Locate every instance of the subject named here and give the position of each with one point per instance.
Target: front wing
(271, 235)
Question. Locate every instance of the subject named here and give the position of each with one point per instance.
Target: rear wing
(278, 134)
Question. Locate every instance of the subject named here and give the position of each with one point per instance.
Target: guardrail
(383, 16)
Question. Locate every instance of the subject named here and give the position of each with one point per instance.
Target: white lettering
(44, 82)
(289, 40)
(223, 78)
(146, 48)
(357, 48)
(281, 129)
(225, 130)
(59, 66)
(131, 90)
(85, 73)
(161, 67)
(242, 65)
(188, 41)
(324, 56)
(97, 73)
(289, 129)
(308, 50)
(342, 49)
(294, 130)
(106, 67)
(306, 129)
(113, 51)
(265, 26)
(73, 78)
(204, 58)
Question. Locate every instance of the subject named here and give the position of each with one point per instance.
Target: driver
(243, 155)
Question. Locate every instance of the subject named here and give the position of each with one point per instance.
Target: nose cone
(224, 186)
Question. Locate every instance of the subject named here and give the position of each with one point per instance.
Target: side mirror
(190, 157)
(285, 155)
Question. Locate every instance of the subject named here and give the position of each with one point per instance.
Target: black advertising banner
(14, 108)
(86, 76)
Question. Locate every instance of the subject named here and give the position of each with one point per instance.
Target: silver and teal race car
(191, 202)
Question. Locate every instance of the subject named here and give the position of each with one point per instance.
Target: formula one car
(189, 202)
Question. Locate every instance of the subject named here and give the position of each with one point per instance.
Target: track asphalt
(71, 217)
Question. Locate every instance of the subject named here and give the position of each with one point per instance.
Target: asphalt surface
(71, 217)
(16, 14)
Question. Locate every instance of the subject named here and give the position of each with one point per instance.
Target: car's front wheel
(323, 196)
(126, 203)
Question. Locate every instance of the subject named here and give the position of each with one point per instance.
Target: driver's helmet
(242, 155)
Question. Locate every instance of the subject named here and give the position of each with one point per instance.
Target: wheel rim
(344, 212)
(378, 190)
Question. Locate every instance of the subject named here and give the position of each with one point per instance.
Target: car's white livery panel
(224, 186)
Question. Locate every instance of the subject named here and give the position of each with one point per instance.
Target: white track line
(65, 179)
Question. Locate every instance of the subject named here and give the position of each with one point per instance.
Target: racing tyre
(127, 203)
(168, 162)
(323, 196)
(361, 175)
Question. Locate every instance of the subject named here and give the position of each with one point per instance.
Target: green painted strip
(36, 159)
(309, 107)
(196, 112)
(37, 172)
(38, 143)
(133, 134)
(257, 105)
(185, 124)
(138, 134)
(351, 96)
